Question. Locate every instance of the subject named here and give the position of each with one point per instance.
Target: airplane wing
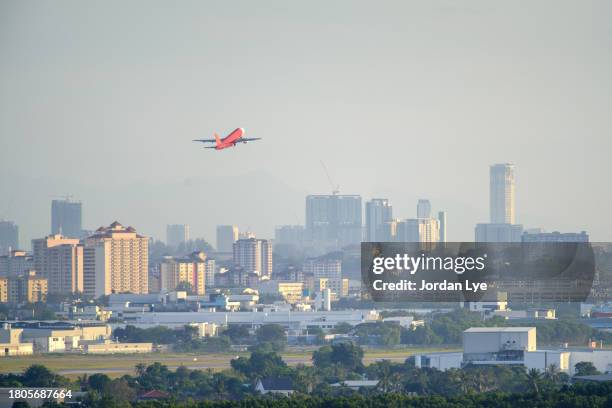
(205, 140)
(249, 139)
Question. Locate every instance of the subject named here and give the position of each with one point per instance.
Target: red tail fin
(218, 139)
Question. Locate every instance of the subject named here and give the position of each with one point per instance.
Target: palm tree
(141, 369)
(552, 373)
(533, 380)
(83, 382)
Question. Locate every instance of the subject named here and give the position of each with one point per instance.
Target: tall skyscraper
(66, 218)
(501, 193)
(116, 260)
(442, 221)
(226, 236)
(501, 202)
(9, 236)
(423, 209)
(378, 212)
(334, 218)
(60, 260)
(177, 234)
(254, 255)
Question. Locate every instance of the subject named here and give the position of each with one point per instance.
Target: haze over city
(399, 100)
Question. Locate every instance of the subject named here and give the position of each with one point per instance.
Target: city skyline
(538, 99)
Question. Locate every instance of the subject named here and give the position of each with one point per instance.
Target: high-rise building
(334, 218)
(378, 212)
(211, 271)
(254, 255)
(190, 270)
(25, 288)
(9, 236)
(423, 208)
(66, 218)
(323, 268)
(60, 260)
(226, 236)
(442, 221)
(15, 263)
(501, 194)
(419, 230)
(501, 203)
(116, 260)
(177, 234)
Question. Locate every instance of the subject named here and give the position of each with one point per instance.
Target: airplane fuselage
(230, 140)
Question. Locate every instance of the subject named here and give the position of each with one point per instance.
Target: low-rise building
(109, 347)
(11, 344)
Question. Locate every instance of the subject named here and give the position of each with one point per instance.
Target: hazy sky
(400, 99)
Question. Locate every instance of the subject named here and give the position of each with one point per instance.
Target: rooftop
(498, 329)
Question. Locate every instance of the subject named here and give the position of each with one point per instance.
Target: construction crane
(335, 187)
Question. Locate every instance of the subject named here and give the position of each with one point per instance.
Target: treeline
(577, 396)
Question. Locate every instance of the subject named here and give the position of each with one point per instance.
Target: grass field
(72, 365)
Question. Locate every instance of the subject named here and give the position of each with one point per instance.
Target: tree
(237, 333)
(272, 334)
(260, 364)
(98, 382)
(585, 368)
(346, 354)
(533, 380)
(39, 376)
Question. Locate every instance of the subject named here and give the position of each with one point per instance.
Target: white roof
(497, 329)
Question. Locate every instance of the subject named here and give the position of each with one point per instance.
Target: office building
(9, 237)
(323, 268)
(423, 208)
(378, 213)
(334, 218)
(177, 234)
(66, 218)
(501, 194)
(442, 221)
(116, 260)
(189, 270)
(60, 260)
(226, 236)
(15, 263)
(253, 256)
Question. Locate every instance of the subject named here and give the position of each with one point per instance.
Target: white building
(323, 268)
(116, 259)
(254, 255)
(501, 193)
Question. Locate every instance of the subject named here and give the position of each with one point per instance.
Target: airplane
(228, 141)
